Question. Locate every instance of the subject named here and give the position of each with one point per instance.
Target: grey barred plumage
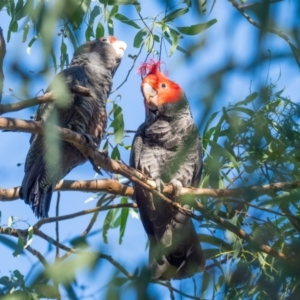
(93, 67)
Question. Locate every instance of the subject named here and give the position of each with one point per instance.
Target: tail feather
(178, 261)
(39, 199)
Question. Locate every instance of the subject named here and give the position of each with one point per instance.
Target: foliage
(254, 141)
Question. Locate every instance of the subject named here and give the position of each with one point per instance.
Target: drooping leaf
(149, 42)
(197, 28)
(124, 218)
(175, 39)
(139, 37)
(118, 124)
(225, 153)
(202, 4)
(99, 30)
(115, 154)
(175, 14)
(25, 32)
(127, 21)
(106, 225)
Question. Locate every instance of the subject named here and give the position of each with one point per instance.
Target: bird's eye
(163, 85)
(105, 40)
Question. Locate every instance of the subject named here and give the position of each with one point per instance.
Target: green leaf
(139, 37)
(71, 36)
(23, 11)
(175, 14)
(196, 29)
(149, 42)
(248, 99)
(105, 146)
(19, 6)
(203, 6)
(224, 152)
(31, 43)
(124, 217)
(88, 33)
(127, 21)
(25, 32)
(138, 7)
(115, 154)
(95, 12)
(118, 124)
(53, 58)
(13, 27)
(205, 282)
(113, 11)
(110, 26)
(19, 247)
(99, 30)
(63, 48)
(30, 236)
(187, 2)
(175, 35)
(106, 225)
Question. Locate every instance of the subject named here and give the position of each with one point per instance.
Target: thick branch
(116, 188)
(47, 97)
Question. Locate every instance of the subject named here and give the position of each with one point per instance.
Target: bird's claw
(105, 155)
(177, 186)
(90, 141)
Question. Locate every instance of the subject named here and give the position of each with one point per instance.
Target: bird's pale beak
(120, 48)
(150, 95)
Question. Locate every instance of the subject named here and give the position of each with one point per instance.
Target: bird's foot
(90, 141)
(177, 186)
(104, 154)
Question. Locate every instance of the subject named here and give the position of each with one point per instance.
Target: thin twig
(81, 213)
(40, 257)
(57, 224)
(135, 57)
(47, 97)
(254, 206)
(295, 51)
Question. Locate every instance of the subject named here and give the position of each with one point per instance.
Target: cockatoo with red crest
(167, 148)
(92, 67)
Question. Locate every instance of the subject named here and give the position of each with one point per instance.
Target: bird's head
(119, 46)
(157, 89)
(107, 51)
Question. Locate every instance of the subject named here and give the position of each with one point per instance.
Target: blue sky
(231, 38)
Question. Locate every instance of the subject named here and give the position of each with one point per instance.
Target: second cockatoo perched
(92, 67)
(167, 148)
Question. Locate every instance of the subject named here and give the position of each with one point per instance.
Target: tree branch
(81, 213)
(47, 97)
(113, 166)
(116, 188)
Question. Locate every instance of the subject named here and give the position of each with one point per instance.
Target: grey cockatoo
(92, 67)
(167, 148)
